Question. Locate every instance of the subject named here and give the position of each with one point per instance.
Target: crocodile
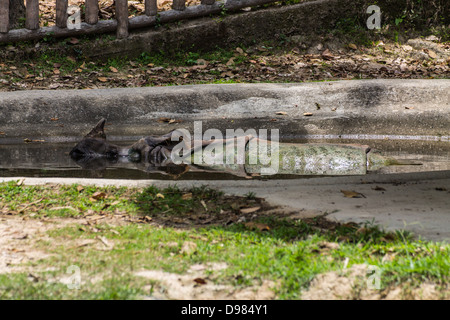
(153, 153)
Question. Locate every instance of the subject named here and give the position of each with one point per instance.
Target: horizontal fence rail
(68, 23)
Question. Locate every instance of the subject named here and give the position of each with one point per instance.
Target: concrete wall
(409, 107)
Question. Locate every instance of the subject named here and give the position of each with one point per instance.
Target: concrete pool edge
(347, 107)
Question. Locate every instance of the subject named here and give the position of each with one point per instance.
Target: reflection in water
(52, 160)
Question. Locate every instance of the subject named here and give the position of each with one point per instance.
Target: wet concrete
(402, 107)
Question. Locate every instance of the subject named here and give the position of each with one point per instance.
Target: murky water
(42, 159)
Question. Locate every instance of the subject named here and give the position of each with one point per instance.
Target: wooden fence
(121, 25)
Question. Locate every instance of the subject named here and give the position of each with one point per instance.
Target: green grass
(290, 253)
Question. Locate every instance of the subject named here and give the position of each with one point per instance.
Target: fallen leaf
(432, 54)
(188, 247)
(160, 195)
(307, 114)
(202, 62)
(257, 226)
(353, 46)
(204, 204)
(73, 41)
(168, 120)
(250, 210)
(200, 281)
(327, 55)
(102, 79)
(187, 196)
(98, 195)
(80, 188)
(113, 69)
(281, 113)
(104, 241)
(21, 237)
(65, 207)
(352, 194)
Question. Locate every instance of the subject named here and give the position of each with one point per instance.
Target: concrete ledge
(399, 107)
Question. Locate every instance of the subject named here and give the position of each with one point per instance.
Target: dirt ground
(299, 59)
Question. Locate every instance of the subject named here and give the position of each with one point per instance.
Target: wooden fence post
(92, 11)
(151, 7)
(122, 18)
(4, 16)
(61, 13)
(208, 2)
(32, 19)
(179, 5)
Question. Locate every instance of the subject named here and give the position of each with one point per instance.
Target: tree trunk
(16, 12)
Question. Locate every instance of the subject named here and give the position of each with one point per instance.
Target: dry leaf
(97, 196)
(113, 69)
(250, 210)
(200, 281)
(65, 207)
(188, 247)
(104, 241)
(432, 54)
(80, 188)
(160, 195)
(202, 62)
(352, 194)
(204, 204)
(281, 113)
(307, 114)
(74, 41)
(102, 79)
(187, 196)
(257, 226)
(168, 120)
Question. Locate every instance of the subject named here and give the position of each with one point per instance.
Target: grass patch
(255, 247)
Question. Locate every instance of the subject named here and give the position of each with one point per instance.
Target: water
(49, 159)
